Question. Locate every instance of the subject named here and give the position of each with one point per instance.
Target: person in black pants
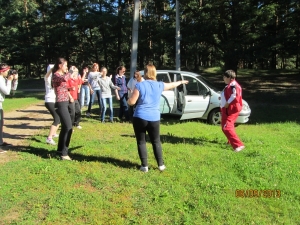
(63, 97)
(146, 117)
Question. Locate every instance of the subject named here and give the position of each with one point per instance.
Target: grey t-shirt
(93, 79)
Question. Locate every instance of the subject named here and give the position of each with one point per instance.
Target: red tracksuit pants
(227, 124)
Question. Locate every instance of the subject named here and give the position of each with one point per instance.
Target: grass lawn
(205, 181)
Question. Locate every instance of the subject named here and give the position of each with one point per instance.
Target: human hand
(118, 97)
(118, 88)
(10, 77)
(91, 91)
(226, 105)
(71, 99)
(15, 76)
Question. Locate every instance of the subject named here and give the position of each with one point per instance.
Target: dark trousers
(51, 108)
(1, 126)
(124, 107)
(75, 112)
(140, 127)
(66, 127)
(92, 98)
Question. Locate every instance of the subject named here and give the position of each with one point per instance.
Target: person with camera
(5, 89)
(14, 83)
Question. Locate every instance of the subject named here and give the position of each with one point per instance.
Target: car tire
(214, 117)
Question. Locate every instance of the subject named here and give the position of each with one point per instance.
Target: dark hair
(57, 63)
(3, 66)
(119, 68)
(230, 74)
(12, 72)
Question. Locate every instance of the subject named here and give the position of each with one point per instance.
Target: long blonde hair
(150, 72)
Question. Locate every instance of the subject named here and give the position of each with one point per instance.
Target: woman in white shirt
(137, 77)
(50, 105)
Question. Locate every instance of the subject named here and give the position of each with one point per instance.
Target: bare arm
(117, 94)
(48, 73)
(134, 97)
(172, 85)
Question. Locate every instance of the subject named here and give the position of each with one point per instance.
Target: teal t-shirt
(147, 107)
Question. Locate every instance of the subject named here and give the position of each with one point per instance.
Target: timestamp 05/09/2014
(254, 193)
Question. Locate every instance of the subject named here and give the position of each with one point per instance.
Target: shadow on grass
(271, 113)
(34, 111)
(171, 138)
(46, 154)
(28, 118)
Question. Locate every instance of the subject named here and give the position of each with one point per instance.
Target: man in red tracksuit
(231, 105)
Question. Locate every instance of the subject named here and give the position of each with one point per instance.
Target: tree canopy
(231, 34)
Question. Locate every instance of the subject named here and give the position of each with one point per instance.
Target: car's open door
(195, 100)
(167, 98)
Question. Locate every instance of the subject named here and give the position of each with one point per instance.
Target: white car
(197, 99)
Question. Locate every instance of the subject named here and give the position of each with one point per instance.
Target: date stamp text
(253, 193)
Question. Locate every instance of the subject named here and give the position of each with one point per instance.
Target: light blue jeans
(84, 93)
(104, 101)
(92, 99)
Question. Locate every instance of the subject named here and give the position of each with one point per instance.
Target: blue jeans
(104, 101)
(84, 93)
(98, 93)
(124, 107)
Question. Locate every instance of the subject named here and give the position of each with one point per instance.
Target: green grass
(103, 185)
(21, 100)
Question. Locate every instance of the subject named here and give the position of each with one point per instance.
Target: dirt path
(21, 124)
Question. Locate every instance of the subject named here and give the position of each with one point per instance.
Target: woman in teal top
(146, 117)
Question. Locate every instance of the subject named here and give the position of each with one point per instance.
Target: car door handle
(189, 100)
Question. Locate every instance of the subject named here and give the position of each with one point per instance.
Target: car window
(163, 77)
(194, 87)
(175, 76)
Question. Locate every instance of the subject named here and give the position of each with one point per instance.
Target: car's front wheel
(214, 117)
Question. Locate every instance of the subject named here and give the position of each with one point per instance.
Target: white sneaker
(144, 168)
(79, 127)
(66, 158)
(50, 141)
(55, 136)
(238, 149)
(162, 168)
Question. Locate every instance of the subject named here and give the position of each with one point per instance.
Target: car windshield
(208, 83)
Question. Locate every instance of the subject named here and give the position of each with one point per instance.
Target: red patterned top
(60, 86)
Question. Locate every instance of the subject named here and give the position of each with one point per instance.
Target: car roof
(174, 71)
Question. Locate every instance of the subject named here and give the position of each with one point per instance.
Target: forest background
(229, 34)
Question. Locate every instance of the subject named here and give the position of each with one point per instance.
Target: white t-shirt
(131, 85)
(50, 94)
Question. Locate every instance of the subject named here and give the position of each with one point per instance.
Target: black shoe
(4, 144)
